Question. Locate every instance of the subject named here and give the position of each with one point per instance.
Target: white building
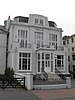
(35, 44)
(3, 41)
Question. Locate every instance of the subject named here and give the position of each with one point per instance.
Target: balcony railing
(60, 48)
(45, 46)
(28, 46)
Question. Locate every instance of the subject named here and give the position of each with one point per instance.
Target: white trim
(21, 62)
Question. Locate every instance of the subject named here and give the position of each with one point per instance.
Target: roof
(65, 37)
(2, 28)
(52, 24)
(25, 19)
(22, 19)
(68, 37)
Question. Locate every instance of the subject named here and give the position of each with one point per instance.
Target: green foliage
(9, 72)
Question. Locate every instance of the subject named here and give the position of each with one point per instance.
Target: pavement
(17, 94)
(21, 94)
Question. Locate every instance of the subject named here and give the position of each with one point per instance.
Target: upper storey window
(52, 37)
(22, 34)
(38, 39)
(53, 40)
(39, 21)
(36, 21)
(22, 38)
(72, 39)
(67, 41)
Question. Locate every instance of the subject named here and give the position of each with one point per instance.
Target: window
(38, 55)
(68, 50)
(63, 42)
(36, 21)
(59, 62)
(52, 37)
(24, 61)
(68, 58)
(47, 56)
(51, 66)
(73, 56)
(38, 66)
(22, 34)
(38, 39)
(67, 41)
(72, 48)
(22, 43)
(42, 55)
(22, 38)
(53, 40)
(38, 62)
(43, 64)
(72, 39)
(74, 68)
(41, 21)
(56, 37)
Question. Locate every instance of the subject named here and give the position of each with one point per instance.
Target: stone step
(53, 76)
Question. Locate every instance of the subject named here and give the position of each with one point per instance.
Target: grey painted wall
(3, 39)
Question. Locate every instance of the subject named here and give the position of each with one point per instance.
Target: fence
(12, 83)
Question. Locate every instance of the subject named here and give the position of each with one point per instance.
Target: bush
(9, 72)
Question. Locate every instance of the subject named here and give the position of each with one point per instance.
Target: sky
(62, 12)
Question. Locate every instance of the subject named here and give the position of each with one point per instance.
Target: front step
(53, 76)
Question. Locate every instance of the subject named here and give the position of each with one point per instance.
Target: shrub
(9, 72)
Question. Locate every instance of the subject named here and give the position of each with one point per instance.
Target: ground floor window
(59, 62)
(24, 61)
(73, 67)
(38, 66)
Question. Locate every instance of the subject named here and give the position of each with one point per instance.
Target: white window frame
(23, 38)
(22, 60)
(38, 39)
(53, 41)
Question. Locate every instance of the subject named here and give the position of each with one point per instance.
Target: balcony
(61, 48)
(28, 46)
(45, 47)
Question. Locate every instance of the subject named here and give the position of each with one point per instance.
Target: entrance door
(47, 66)
(47, 62)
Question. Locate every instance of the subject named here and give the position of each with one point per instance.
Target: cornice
(35, 26)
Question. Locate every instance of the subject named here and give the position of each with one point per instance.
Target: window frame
(72, 48)
(73, 57)
(22, 57)
(72, 39)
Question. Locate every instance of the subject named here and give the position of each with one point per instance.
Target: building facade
(35, 44)
(3, 40)
(69, 42)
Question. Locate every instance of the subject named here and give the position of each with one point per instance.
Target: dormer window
(41, 21)
(36, 21)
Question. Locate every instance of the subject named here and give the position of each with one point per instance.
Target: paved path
(62, 94)
(19, 94)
